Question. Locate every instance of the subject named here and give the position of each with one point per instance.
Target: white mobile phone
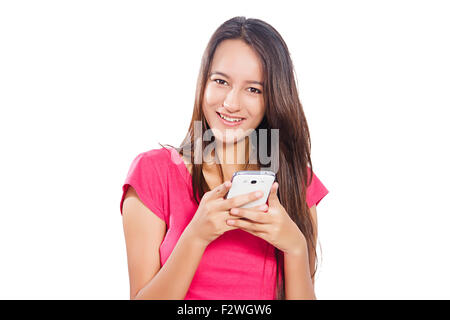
(243, 182)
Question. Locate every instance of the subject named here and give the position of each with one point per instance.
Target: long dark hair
(283, 111)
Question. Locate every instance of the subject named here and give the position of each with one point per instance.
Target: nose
(231, 103)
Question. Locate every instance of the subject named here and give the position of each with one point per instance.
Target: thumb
(221, 190)
(273, 198)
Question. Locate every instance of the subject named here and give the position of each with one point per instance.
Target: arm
(144, 232)
(299, 283)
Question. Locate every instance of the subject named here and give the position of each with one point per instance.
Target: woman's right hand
(209, 221)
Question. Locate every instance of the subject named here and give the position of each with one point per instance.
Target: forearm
(298, 282)
(174, 278)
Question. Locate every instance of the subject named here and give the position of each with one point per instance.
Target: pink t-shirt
(235, 266)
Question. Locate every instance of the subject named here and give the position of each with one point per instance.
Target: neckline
(182, 168)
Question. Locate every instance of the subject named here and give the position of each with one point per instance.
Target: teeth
(229, 119)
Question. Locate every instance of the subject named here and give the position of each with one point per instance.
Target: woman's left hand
(272, 224)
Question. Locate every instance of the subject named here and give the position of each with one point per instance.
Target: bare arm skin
(298, 270)
(144, 233)
(312, 258)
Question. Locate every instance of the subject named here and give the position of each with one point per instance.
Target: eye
(219, 81)
(257, 90)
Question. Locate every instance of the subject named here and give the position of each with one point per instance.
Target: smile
(230, 121)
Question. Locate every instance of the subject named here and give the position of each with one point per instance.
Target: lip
(229, 116)
(228, 123)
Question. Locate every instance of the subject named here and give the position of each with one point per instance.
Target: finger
(239, 201)
(255, 215)
(229, 227)
(221, 190)
(248, 225)
(273, 198)
(261, 207)
(227, 216)
(262, 235)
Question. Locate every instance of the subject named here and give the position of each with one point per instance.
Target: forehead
(237, 59)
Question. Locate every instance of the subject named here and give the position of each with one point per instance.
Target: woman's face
(234, 90)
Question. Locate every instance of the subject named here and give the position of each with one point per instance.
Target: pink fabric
(237, 265)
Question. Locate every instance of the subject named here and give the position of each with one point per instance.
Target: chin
(219, 136)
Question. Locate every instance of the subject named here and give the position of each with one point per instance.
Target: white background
(85, 86)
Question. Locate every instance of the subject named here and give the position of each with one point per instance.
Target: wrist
(298, 249)
(192, 238)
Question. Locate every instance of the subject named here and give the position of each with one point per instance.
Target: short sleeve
(145, 176)
(315, 191)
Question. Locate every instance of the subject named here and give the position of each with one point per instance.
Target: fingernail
(234, 211)
(258, 193)
(230, 221)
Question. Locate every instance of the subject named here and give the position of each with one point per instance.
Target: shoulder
(160, 154)
(148, 176)
(149, 166)
(315, 190)
(154, 158)
(311, 177)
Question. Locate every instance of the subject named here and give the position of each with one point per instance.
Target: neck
(233, 157)
(232, 154)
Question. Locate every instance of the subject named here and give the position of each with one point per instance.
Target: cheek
(212, 96)
(257, 111)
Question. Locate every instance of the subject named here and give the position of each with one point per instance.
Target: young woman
(184, 239)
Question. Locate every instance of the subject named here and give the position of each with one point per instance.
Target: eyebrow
(225, 75)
